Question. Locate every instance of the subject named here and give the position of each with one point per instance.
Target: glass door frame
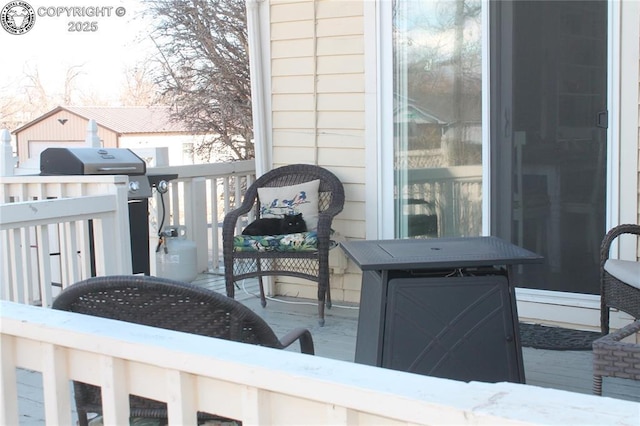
(379, 54)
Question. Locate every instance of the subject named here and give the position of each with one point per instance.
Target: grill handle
(117, 169)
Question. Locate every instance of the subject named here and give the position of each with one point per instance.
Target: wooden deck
(565, 370)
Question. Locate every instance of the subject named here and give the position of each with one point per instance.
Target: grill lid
(91, 161)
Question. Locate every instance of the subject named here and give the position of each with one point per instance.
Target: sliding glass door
(549, 137)
(546, 98)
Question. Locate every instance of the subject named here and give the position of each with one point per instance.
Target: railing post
(125, 263)
(196, 220)
(8, 384)
(92, 140)
(116, 230)
(7, 161)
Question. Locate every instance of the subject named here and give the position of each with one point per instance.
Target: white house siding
(317, 79)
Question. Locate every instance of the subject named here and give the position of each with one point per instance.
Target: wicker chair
(311, 265)
(613, 357)
(615, 293)
(171, 305)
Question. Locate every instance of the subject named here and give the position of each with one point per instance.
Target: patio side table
(441, 307)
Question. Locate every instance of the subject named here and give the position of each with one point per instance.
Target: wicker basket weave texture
(613, 357)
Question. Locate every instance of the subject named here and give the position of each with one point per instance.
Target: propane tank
(176, 256)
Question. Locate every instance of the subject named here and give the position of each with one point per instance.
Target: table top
(435, 253)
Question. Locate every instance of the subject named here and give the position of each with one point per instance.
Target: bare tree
(139, 88)
(203, 52)
(28, 97)
(23, 100)
(71, 75)
(35, 91)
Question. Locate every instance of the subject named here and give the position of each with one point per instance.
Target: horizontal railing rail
(256, 385)
(36, 187)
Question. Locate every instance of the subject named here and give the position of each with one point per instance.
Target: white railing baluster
(256, 406)
(44, 269)
(174, 218)
(65, 254)
(18, 288)
(238, 190)
(195, 194)
(8, 382)
(115, 397)
(182, 408)
(215, 228)
(55, 383)
(74, 264)
(5, 267)
(23, 266)
(252, 215)
(85, 249)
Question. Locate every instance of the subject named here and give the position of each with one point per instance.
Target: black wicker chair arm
(614, 339)
(299, 334)
(232, 217)
(614, 233)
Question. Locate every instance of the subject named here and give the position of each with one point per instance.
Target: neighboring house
(538, 107)
(142, 129)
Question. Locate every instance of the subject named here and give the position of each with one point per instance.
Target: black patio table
(441, 307)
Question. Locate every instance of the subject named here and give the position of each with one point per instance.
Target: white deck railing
(27, 227)
(455, 194)
(254, 384)
(45, 233)
(198, 200)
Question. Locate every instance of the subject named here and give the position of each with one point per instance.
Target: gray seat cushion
(626, 271)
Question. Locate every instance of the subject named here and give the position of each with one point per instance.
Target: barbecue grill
(111, 161)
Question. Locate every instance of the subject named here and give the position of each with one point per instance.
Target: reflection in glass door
(550, 137)
(437, 115)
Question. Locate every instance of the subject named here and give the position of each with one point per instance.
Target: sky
(105, 45)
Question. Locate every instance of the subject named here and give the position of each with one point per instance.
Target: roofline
(39, 119)
(55, 111)
(118, 134)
